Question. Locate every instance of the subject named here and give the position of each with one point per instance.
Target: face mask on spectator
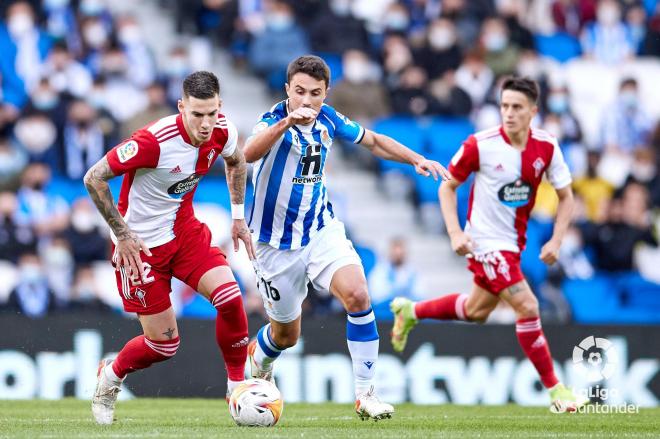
(177, 66)
(96, 98)
(30, 273)
(643, 171)
(57, 256)
(20, 25)
(37, 135)
(279, 21)
(55, 4)
(558, 103)
(340, 7)
(83, 222)
(45, 100)
(629, 99)
(95, 35)
(357, 71)
(396, 21)
(495, 41)
(91, 7)
(441, 38)
(129, 35)
(553, 128)
(86, 291)
(530, 68)
(608, 15)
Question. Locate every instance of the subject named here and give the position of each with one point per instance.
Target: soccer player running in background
(509, 162)
(299, 238)
(156, 236)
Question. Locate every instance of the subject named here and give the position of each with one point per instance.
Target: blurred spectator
(466, 16)
(47, 100)
(47, 214)
(396, 19)
(87, 243)
(212, 18)
(124, 97)
(61, 23)
(37, 134)
(565, 126)
(500, 53)
(608, 40)
(636, 24)
(359, 94)
(84, 143)
(594, 190)
(514, 12)
(58, 266)
(441, 51)
(138, 55)
(95, 38)
(31, 297)
(628, 223)
(281, 41)
(475, 77)
(411, 97)
(393, 277)
(176, 69)
(12, 162)
(338, 21)
(15, 238)
(397, 56)
(65, 74)
(23, 46)
(156, 109)
(85, 294)
(448, 98)
(651, 43)
(571, 16)
(625, 125)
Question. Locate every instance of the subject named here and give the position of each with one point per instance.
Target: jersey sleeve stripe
(162, 130)
(166, 133)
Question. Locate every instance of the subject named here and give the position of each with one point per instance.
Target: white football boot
(367, 405)
(105, 396)
(255, 370)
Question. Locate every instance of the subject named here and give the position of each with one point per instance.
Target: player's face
(517, 112)
(199, 116)
(305, 91)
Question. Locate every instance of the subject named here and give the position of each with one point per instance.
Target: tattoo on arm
(169, 333)
(96, 182)
(236, 176)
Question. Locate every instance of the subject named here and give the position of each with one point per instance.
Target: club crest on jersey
(515, 194)
(179, 189)
(210, 157)
(127, 151)
(538, 164)
(325, 138)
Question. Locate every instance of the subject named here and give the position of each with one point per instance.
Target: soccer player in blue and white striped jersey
(299, 239)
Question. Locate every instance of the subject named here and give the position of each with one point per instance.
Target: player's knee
(356, 298)
(528, 308)
(477, 315)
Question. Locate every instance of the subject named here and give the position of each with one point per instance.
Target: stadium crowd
(76, 78)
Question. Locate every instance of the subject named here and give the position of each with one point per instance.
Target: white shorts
(283, 274)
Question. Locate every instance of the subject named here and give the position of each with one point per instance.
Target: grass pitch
(194, 418)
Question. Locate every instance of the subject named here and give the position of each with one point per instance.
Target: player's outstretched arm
(387, 148)
(128, 243)
(550, 251)
(236, 179)
(262, 141)
(461, 243)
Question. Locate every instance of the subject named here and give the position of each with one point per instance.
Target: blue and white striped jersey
(290, 198)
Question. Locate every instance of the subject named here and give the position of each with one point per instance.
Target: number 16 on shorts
(267, 290)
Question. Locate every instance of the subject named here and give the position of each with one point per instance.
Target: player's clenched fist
(461, 243)
(302, 115)
(550, 252)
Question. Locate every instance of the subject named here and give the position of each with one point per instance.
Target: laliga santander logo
(595, 358)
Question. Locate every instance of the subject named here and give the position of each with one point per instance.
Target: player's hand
(461, 243)
(128, 254)
(431, 167)
(302, 115)
(550, 252)
(239, 230)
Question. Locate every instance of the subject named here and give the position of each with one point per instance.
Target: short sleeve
(466, 160)
(558, 173)
(232, 140)
(140, 151)
(345, 128)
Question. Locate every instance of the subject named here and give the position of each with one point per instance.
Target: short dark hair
(525, 85)
(625, 82)
(311, 65)
(201, 85)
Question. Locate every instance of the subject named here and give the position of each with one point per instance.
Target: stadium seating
(560, 46)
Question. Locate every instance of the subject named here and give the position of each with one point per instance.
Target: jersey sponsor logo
(457, 156)
(127, 151)
(179, 189)
(307, 180)
(538, 166)
(515, 194)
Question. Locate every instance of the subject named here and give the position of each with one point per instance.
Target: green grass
(193, 418)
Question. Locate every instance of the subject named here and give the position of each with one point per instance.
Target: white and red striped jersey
(504, 188)
(161, 171)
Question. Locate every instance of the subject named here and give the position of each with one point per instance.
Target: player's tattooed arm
(236, 176)
(96, 182)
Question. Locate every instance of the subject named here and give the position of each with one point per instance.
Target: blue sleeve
(345, 128)
(266, 120)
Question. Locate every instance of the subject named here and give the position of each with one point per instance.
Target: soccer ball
(256, 403)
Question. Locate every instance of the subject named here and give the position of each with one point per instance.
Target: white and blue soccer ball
(256, 403)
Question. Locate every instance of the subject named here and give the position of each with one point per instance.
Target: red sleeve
(466, 160)
(140, 151)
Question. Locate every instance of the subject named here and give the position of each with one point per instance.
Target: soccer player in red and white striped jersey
(156, 235)
(509, 162)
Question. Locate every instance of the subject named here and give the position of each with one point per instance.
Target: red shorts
(496, 271)
(187, 257)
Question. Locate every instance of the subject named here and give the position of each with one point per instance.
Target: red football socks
(141, 352)
(533, 342)
(231, 328)
(449, 307)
